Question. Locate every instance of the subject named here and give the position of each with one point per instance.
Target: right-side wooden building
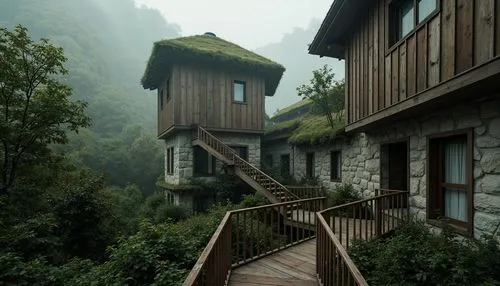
(422, 103)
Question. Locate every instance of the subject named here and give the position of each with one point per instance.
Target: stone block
(487, 141)
(487, 203)
(490, 161)
(486, 222)
(490, 184)
(494, 127)
(364, 184)
(467, 120)
(367, 175)
(372, 165)
(480, 130)
(478, 172)
(414, 186)
(446, 124)
(417, 169)
(418, 202)
(375, 178)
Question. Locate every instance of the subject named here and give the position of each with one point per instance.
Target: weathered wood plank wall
(461, 35)
(204, 96)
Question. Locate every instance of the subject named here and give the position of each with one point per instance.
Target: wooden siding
(204, 96)
(460, 35)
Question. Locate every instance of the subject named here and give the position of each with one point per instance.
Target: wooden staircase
(260, 181)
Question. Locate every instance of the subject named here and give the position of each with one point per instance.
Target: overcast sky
(250, 23)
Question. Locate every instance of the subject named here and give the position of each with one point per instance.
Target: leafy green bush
(412, 255)
(254, 200)
(170, 212)
(342, 195)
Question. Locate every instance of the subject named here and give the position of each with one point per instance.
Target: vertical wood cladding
(458, 36)
(204, 96)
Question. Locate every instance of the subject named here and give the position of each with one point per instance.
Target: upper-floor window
(239, 91)
(268, 160)
(170, 161)
(404, 15)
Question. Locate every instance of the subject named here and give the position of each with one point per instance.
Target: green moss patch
(310, 129)
(293, 106)
(203, 49)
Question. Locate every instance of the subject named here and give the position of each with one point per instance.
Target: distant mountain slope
(292, 53)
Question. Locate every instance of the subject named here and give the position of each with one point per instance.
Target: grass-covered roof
(207, 49)
(309, 129)
(292, 107)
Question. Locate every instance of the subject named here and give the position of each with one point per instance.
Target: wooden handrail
(339, 254)
(305, 192)
(234, 242)
(267, 182)
(364, 219)
(198, 275)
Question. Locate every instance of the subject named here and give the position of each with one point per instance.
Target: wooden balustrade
(248, 234)
(281, 193)
(338, 226)
(305, 192)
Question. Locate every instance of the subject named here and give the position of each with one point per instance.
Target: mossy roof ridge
(292, 107)
(309, 129)
(206, 49)
(315, 130)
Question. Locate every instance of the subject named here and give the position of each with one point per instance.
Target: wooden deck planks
(293, 266)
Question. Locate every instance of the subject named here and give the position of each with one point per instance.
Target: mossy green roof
(309, 129)
(205, 49)
(292, 107)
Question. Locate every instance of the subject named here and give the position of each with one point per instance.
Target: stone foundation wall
(183, 153)
(361, 165)
(361, 158)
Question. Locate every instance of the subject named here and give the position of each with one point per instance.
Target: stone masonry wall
(183, 153)
(362, 158)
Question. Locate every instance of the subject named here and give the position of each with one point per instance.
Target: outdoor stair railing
(245, 235)
(226, 154)
(338, 226)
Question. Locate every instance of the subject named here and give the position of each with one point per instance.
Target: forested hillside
(107, 44)
(291, 52)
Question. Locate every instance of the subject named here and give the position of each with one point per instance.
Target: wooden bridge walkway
(292, 266)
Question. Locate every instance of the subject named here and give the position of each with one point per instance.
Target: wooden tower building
(211, 86)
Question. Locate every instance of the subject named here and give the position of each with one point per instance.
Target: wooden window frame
(435, 199)
(245, 99)
(335, 154)
(312, 173)
(170, 160)
(392, 44)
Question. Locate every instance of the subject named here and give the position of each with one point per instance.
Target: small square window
(239, 91)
